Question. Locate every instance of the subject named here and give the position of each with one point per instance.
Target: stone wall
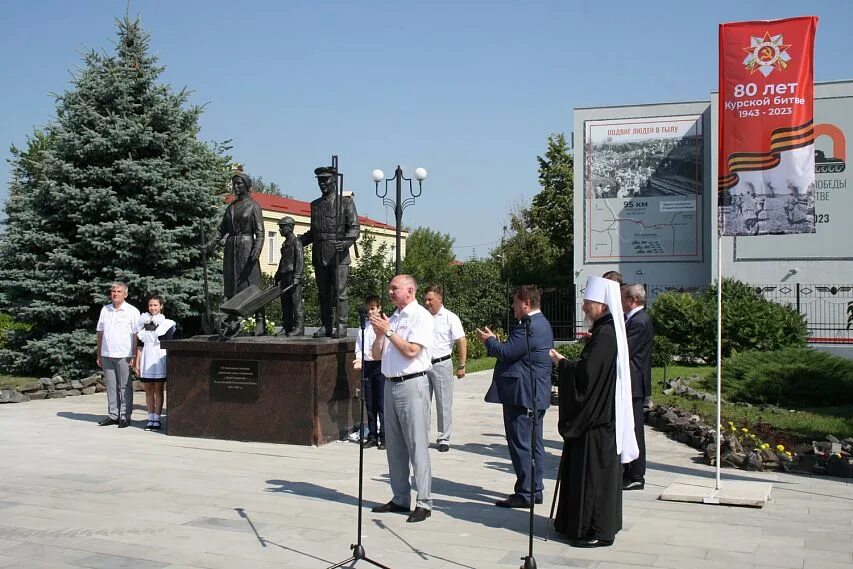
(55, 387)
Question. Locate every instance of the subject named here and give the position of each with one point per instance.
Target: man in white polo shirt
(403, 344)
(448, 329)
(116, 352)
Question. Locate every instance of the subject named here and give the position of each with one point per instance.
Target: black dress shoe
(514, 501)
(380, 445)
(590, 542)
(369, 443)
(537, 500)
(122, 424)
(634, 485)
(419, 515)
(443, 447)
(390, 507)
(107, 421)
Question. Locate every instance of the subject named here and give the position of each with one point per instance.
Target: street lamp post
(399, 204)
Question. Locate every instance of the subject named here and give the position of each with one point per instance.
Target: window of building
(271, 249)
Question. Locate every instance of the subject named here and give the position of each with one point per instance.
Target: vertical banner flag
(766, 157)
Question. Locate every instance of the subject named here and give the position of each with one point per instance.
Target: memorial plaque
(269, 389)
(234, 381)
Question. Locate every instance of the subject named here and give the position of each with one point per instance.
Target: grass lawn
(479, 364)
(804, 425)
(13, 381)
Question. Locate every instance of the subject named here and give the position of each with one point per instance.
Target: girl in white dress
(151, 359)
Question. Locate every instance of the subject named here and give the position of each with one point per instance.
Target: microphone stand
(358, 553)
(530, 561)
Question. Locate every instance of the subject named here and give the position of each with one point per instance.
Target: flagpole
(719, 347)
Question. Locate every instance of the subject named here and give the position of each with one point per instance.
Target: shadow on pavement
(708, 474)
(264, 542)
(480, 509)
(81, 416)
(310, 490)
(500, 451)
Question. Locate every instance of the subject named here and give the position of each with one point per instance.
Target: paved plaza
(73, 495)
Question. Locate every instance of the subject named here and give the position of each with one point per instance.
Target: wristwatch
(388, 333)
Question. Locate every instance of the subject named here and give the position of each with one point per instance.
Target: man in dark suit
(522, 358)
(638, 326)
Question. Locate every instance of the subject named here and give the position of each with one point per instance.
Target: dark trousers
(293, 310)
(635, 471)
(327, 279)
(517, 426)
(374, 400)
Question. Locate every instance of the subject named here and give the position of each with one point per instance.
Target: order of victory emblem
(766, 54)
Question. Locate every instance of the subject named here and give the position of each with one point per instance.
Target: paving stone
(99, 561)
(823, 564)
(45, 553)
(125, 497)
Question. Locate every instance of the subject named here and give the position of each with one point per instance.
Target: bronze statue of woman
(242, 228)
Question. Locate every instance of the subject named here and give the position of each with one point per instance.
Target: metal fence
(827, 308)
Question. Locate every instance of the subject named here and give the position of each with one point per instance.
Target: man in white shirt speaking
(448, 329)
(403, 344)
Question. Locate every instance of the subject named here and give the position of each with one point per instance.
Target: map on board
(643, 189)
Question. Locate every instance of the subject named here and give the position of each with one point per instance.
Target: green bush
(476, 348)
(793, 378)
(9, 326)
(750, 322)
(571, 351)
(663, 350)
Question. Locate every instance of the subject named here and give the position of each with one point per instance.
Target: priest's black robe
(590, 501)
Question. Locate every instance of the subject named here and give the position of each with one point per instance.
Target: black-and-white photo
(652, 166)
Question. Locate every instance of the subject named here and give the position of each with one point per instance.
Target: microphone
(362, 316)
(525, 320)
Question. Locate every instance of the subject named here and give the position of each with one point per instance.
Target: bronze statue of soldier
(289, 278)
(242, 229)
(334, 228)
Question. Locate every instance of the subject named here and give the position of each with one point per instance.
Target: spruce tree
(117, 187)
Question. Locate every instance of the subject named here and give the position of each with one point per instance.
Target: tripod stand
(358, 553)
(530, 561)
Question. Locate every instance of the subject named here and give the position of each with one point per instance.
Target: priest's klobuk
(608, 292)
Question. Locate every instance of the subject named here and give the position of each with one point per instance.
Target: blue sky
(469, 90)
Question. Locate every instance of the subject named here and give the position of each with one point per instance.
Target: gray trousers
(441, 380)
(407, 408)
(117, 380)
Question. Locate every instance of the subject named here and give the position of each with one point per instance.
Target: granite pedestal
(265, 389)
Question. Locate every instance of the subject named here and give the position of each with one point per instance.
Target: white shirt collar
(633, 311)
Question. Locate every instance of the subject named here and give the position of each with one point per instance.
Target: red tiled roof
(298, 207)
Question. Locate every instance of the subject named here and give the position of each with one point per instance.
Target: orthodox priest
(596, 423)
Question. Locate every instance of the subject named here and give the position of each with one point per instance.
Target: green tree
(370, 276)
(540, 247)
(428, 256)
(261, 186)
(528, 255)
(116, 188)
(475, 292)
